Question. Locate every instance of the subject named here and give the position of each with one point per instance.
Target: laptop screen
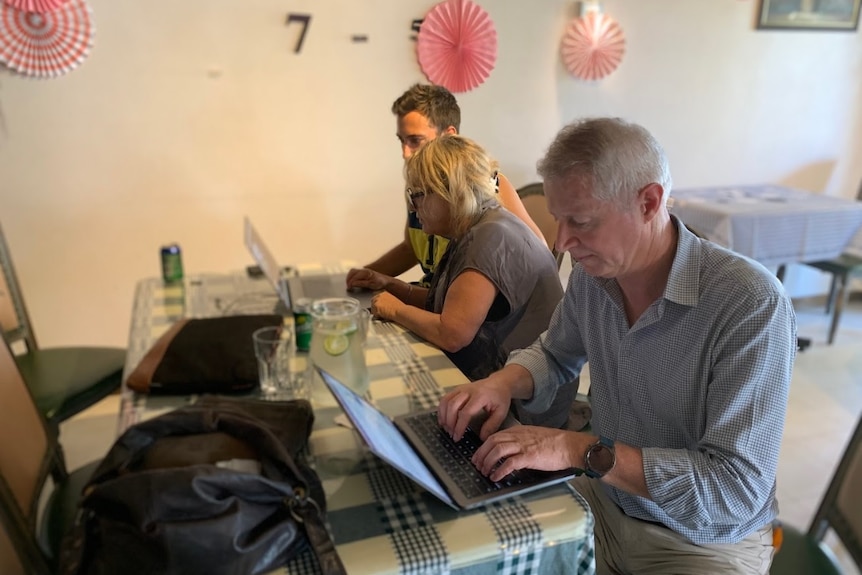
(383, 437)
(263, 257)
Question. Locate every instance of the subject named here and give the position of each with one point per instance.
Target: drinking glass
(276, 364)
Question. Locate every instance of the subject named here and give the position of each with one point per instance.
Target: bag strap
(307, 513)
(128, 450)
(142, 376)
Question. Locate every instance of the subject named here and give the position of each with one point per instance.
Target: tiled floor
(825, 403)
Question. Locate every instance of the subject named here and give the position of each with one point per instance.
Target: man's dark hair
(434, 102)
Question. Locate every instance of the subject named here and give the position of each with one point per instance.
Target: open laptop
(294, 288)
(418, 447)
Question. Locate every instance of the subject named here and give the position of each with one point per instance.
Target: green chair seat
(66, 380)
(843, 264)
(803, 555)
(61, 509)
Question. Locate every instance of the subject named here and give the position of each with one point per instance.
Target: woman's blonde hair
(459, 171)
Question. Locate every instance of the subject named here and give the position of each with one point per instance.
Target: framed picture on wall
(809, 14)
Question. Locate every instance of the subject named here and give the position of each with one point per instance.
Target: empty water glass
(277, 364)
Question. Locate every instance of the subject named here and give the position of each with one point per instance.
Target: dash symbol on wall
(357, 38)
(305, 19)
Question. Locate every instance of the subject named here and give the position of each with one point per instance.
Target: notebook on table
(418, 447)
(294, 288)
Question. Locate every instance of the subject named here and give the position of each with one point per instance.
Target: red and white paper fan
(457, 45)
(593, 46)
(45, 44)
(36, 5)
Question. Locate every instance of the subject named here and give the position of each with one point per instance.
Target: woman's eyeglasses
(413, 195)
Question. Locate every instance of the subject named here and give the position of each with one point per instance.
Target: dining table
(381, 522)
(774, 225)
(854, 246)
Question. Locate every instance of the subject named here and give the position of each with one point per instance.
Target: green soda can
(172, 264)
(302, 323)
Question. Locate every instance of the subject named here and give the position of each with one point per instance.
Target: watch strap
(605, 442)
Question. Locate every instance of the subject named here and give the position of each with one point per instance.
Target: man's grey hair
(614, 157)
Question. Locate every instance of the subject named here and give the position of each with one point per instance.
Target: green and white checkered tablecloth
(381, 521)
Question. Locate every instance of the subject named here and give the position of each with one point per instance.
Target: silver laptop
(418, 447)
(294, 288)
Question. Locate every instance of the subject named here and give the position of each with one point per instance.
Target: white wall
(188, 115)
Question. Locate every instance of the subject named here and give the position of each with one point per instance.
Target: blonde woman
(497, 284)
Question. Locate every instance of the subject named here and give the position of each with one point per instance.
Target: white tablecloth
(855, 245)
(772, 224)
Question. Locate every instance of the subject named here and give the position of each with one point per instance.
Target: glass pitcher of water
(339, 330)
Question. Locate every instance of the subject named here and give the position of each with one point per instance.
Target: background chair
(533, 198)
(17, 556)
(26, 464)
(839, 510)
(843, 269)
(64, 380)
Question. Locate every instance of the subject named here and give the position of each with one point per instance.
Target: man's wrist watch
(600, 458)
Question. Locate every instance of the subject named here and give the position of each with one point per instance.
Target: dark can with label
(172, 264)
(302, 323)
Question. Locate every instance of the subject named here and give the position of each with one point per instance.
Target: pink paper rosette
(45, 44)
(457, 45)
(40, 6)
(593, 46)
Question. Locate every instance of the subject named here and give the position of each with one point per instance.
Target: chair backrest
(10, 562)
(533, 198)
(25, 461)
(14, 321)
(19, 552)
(839, 509)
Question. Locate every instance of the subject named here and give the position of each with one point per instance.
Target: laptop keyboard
(455, 456)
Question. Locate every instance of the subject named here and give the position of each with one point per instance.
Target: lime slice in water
(346, 327)
(335, 344)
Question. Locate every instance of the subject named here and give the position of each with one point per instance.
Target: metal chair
(838, 511)
(533, 198)
(843, 269)
(63, 380)
(29, 455)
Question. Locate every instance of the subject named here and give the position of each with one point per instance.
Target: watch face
(600, 459)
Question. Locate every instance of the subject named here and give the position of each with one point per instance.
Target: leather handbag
(221, 487)
(207, 355)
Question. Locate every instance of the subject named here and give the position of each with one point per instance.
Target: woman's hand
(385, 305)
(366, 278)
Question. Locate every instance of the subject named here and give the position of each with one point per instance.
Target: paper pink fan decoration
(457, 45)
(593, 46)
(45, 45)
(40, 6)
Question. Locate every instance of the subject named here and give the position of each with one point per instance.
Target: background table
(854, 248)
(774, 225)
(382, 522)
